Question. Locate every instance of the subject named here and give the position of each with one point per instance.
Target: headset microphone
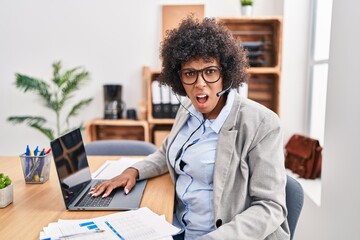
(219, 94)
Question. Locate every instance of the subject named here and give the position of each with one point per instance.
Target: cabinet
(262, 37)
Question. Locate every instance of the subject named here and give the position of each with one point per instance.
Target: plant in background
(4, 181)
(55, 96)
(246, 2)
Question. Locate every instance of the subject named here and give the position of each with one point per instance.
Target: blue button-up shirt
(195, 167)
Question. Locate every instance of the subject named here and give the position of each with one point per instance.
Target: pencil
(82, 233)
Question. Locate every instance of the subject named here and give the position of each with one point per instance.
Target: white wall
(111, 39)
(338, 216)
(294, 66)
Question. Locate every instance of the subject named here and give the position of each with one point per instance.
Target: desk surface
(36, 205)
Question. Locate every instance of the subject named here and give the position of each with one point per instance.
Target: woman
(224, 153)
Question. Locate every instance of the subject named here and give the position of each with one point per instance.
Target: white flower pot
(246, 10)
(6, 196)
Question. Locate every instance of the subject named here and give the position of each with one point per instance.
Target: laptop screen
(71, 164)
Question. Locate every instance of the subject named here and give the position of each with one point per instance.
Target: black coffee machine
(113, 104)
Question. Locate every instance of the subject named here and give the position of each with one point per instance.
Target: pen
(36, 151)
(82, 233)
(33, 166)
(42, 153)
(27, 160)
(32, 162)
(41, 159)
(48, 151)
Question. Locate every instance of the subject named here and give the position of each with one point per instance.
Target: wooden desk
(36, 205)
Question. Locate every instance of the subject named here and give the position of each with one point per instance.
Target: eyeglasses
(189, 76)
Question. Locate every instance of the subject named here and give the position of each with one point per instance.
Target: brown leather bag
(303, 156)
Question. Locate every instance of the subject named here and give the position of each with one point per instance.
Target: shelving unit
(262, 37)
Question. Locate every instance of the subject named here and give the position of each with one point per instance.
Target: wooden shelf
(262, 36)
(161, 121)
(264, 30)
(100, 129)
(262, 70)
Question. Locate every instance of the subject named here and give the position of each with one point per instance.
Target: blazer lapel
(227, 138)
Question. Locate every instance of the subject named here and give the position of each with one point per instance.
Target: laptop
(75, 178)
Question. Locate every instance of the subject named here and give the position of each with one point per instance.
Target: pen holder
(36, 169)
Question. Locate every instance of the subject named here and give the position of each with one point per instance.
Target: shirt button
(218, 223)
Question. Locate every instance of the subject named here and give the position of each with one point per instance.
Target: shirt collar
(216, 124)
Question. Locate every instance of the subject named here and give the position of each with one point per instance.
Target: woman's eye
(189, 74)
(210, 71)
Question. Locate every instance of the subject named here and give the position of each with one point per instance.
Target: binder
(174, 101)
(165, 101)
(156, 99)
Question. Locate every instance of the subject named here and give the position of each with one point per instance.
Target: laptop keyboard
(89, 201)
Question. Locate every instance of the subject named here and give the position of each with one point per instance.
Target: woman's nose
(200, 81)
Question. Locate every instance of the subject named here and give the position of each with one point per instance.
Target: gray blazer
(249, 173)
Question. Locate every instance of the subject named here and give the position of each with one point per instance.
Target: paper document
(131, 225)
(139, 224)
(112, 168)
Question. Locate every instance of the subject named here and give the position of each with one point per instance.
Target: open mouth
(202, 98)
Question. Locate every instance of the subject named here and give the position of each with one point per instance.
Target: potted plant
(246, 7)
(6, 190)
(55, 96)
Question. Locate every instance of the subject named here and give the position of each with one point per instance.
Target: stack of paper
(131, 225)
(112, 168)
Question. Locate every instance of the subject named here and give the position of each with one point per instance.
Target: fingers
(127, 180)
(129, 185)
(105, 187)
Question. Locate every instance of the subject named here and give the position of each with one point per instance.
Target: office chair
(120, 148)
(294, 203)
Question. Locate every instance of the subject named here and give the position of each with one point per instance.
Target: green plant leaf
(56, 70)
(77, 107)
(27, 119)
(37, 86)
(46, 131)
(4, 181)
(74, 83)
(66, 77)
(7, 181)
(246, 2)
(36, 122)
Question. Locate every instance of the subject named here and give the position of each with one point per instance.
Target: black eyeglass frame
(202, 74)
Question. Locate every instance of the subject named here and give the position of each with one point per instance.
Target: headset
(219, 94)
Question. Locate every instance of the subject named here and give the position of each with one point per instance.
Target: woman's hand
(126, 179)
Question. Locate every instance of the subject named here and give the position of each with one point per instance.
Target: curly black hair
(201, 39)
